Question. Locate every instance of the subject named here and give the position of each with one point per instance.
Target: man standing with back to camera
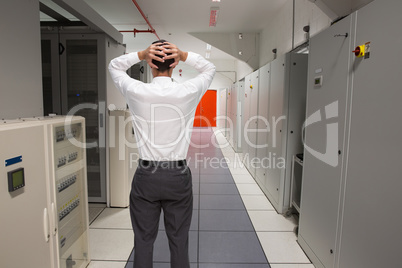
(163, 115)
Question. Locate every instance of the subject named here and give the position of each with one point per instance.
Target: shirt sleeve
(118, 68)
(207, 71)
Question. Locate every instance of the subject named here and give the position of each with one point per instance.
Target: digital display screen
(16, 179)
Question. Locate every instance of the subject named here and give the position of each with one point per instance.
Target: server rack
(249, 120)
(76, 82)
(274, 109)
(351, 186)
(124, 157)
(236, 99)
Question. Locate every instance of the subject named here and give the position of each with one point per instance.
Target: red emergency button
(359, 51)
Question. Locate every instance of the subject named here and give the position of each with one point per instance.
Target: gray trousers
(156, 187)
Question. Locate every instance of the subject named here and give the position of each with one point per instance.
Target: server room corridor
(233, 224)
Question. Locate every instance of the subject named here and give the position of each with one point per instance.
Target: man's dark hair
(162, 66)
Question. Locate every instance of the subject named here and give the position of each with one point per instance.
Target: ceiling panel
(174, 19)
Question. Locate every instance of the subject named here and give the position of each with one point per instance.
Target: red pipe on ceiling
(135, 31)
(146, 19)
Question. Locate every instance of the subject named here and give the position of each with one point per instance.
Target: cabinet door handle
(61, 49)
(46, 225)
(100, 119)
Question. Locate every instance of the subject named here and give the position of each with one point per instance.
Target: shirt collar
(162, 80)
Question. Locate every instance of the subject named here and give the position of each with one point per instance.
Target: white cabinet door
(329, 60)
(263, 121)
(371, 229)
(25, 223)
(275, 114)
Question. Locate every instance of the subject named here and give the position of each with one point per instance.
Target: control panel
(70, 190)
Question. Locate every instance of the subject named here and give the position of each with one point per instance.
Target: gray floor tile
(217, 188)
(167, 265)
(210, 156)
(213, 170)
(195, 177)
(196, 188)
(215, 153)
(195, 174)
(161, 247)
(196, 201)
(209, 166)
(216, 178)
(230, 247)
(225, 220)
(205, 153)
(228, 202)
(192, 163)
(233, 265)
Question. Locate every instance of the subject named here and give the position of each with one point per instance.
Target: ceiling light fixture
(213, 18)
(209, 47)
(216, 0)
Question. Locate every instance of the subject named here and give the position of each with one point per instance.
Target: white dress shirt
(163, 111)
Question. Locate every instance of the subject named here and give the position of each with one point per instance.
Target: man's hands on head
(151, 53)
(162, 49)
(176, 53)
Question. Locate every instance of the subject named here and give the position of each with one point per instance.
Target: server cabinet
(236, 115)
(239, 116)
(246, 115)
(76, 81)
(222, 104)
(236, 112)
(263, 123)
(370, 227)
(348, 207)
(50, 73)
(276, 117)
(328, 92)
(294, 111)
(83, 91)
(230, 115)
(123, 151)
(250, 121)
(281, 110)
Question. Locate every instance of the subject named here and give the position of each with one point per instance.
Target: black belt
(162, 164)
